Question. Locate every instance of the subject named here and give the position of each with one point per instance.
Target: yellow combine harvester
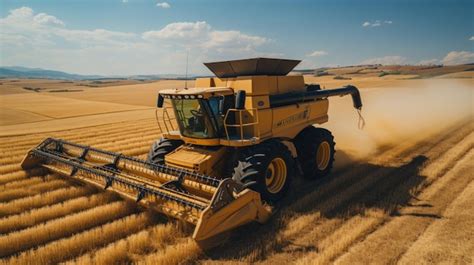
(229, 150)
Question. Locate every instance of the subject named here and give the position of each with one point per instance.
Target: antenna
(186, 75)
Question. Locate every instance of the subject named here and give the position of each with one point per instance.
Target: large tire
(315, 148)
(160, 148)
(266, 168)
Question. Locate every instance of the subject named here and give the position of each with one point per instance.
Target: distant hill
(25, 72)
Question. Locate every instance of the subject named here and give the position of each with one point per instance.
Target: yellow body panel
(290, 84)
(205, 160)
(285, 122)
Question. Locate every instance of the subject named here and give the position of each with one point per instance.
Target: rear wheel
(266, 168)
(160, 148)
(315, 148)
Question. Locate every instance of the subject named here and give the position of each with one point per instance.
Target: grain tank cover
(255, 66)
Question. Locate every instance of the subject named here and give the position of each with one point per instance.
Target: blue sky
(147, 37)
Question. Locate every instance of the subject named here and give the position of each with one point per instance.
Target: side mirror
(240, 99)
(160, 102)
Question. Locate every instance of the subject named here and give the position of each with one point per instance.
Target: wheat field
(401, 192)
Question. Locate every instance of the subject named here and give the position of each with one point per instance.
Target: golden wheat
(341, 239)
(62, 227)
(10, 159)
(20, 175)
(13, 194)
(25, 182)
(123, 141)
(36, 216)
(39, 200)
(67, 248)
(180, 253)
(127, 249)
(80, 134)
(9, 168)
(440, 166)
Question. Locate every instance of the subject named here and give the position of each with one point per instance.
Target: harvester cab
(228, 151)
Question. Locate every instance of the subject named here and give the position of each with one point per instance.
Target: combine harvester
(228, 152)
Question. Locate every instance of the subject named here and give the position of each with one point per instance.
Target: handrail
(167, 121)
(241, 125)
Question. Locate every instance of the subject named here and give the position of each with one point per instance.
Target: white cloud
(317, 53)
(376, 23)
(386, 60)
(179, 30)
(428, 62)
(25, 16)
(201, 35)
(45, 19)
(21, 12)
(471, 38)
(163, 5)
(458, 57)
(232, 39)
(42, 40)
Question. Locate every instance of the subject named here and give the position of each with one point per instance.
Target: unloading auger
(228, 151)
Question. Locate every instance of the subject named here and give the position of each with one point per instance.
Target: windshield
(193, 118)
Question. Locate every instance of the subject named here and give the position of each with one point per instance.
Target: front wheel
(315, 148)
(161, 148)
(266, 168)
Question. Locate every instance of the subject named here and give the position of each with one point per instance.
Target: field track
(379, 210)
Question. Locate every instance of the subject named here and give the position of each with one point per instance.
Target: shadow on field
(352, 189)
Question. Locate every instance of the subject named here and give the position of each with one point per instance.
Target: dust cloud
(397, 114)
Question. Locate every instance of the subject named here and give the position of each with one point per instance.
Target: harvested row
(373, 172)
(67, 248)
(363, 170)
(393, 196)
(11, 163)
(342, 238)
(133, 146)
(420, 143)
(180, 253)
(39, 215)
(127, 144)
(137, 151)
(20, 175)
(449, 239)
(11, 167)
(25, 182)
(350, 191)
(86, 132)
(62, 227)
(40, 200)
(127, 249)
(394, 238)
(12, 194)
(384, 198)
(92, 140)
(447, 160)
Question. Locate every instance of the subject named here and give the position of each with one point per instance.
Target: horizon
(127, 37)
(191, 76)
